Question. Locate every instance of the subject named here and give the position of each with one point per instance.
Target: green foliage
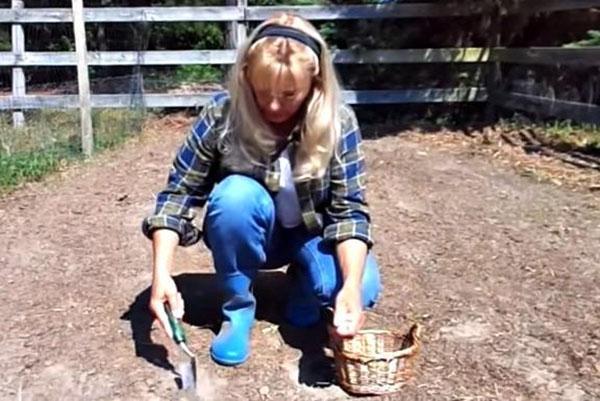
(592, 40)
(328, 31)
(575, 134)
(49, 37)
(29, 153)
(5, 44)
(183, 35)
(564, 133)
(112, 127)
(198, 74)
(27, 166)
(50, 139)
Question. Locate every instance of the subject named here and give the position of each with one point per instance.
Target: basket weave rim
(382, 355)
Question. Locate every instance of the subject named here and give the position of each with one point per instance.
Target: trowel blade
(187, 374)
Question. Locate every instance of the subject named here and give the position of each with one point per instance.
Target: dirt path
(504, 273)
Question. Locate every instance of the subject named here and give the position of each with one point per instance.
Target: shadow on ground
(202, 291)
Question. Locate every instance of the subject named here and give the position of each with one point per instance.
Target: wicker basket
(375, 361)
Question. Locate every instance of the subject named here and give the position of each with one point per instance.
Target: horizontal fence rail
(198, 100)
(124, 14)
(540, 6)
(540, 55)
(258, 13)
(179, 57)
(417, 10)
(547, 55)
(547, 107)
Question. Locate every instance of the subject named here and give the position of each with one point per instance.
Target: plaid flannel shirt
(333, 206)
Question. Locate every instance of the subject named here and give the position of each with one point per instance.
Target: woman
(277, 160)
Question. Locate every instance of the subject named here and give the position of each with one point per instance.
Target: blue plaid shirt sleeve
(348, 211)
(189, 181)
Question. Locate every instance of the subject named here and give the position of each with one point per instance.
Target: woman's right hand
(164, 291)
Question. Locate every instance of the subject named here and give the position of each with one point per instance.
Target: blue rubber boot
(232, 345)
(237, 226)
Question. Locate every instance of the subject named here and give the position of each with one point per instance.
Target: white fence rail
(259, 13)
(544, 56)
(439, 95)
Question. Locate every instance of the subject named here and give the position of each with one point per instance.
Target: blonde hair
(320, 126)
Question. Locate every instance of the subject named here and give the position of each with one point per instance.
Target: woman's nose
(274, 106)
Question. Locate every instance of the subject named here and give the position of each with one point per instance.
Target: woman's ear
(317, 72)
(244, 75)
(317, 83)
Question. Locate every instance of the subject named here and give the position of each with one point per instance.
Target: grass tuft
(51, 139)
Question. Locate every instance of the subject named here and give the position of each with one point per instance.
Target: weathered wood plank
(237, 31)
(18, 75)
(124, 14)
(539, 55)
(163, 14)
(83, 79)
(548, 55)
(103, 101)
(256, 13)
(438, 95)
(259, 13)
(178, 57)
(532, 7)
(35, 15)
(232, 13)
(199, 99)
(39, 102)
(410, 56)
(583, 56)
(174, 57)
(545, 107)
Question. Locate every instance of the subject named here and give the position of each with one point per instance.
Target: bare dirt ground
(501, 268)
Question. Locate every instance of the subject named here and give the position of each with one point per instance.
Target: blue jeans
(242, 231)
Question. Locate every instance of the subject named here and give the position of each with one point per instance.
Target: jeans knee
(238, 203)
(238, 222)
(325, 275)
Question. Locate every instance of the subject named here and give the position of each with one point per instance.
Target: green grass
(584, 136)
(565, 134)
(197, 74)
(51, 139)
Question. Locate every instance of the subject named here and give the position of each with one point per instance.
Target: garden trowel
(187, 371)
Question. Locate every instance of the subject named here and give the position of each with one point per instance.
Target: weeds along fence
(491, 60)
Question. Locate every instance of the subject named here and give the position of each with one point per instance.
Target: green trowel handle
(176, 328)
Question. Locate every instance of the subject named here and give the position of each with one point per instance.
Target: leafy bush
(5, 44)
(592, 40)
(198, 74)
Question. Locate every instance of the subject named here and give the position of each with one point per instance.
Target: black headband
(292, 33)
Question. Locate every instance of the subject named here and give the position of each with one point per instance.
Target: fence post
(83, 79)
(494, 68)
(237, 30)
(18, 75)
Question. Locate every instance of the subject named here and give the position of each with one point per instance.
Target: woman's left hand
(348, 316)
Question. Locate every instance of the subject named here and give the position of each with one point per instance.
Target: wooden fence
(238, 14)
